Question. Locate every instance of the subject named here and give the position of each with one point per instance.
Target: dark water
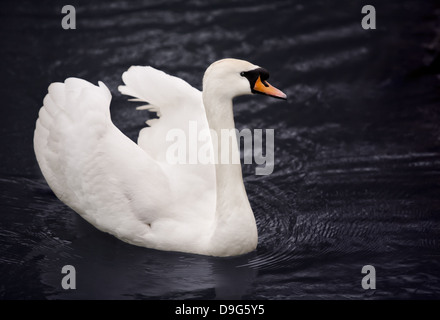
(357, 147)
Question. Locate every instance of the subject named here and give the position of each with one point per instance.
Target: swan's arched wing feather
(92, 166)
(179, 106)
(159, 89)
(175, 101)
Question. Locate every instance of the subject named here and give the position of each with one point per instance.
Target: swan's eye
(242, 74)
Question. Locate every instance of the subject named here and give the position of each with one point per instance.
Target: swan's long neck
(235, 222)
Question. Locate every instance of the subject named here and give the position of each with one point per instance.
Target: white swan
(130, 190)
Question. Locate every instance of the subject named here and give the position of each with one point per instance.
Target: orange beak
(264, 87)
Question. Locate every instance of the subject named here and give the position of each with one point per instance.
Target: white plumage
(129, 189)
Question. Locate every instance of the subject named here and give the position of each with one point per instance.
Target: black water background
(356, 177)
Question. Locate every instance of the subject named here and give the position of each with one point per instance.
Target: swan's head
(230, 78)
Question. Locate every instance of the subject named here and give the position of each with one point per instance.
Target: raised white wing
(92, 166)
(178, 105)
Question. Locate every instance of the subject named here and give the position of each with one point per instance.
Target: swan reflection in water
(111, 269)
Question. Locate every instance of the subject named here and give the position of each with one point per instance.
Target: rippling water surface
(357, 147)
